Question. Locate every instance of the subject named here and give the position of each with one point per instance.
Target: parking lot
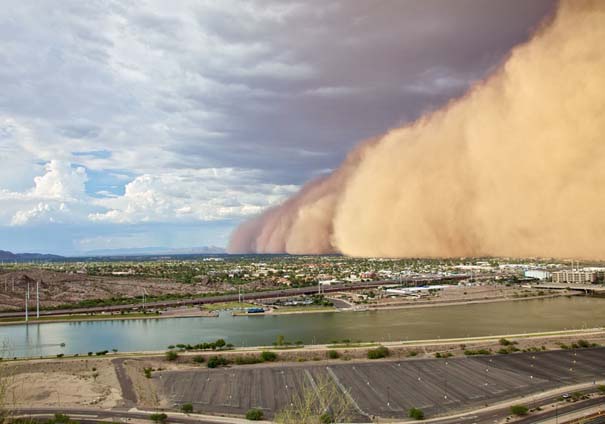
(386, 388)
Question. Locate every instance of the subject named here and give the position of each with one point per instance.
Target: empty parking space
(385, 388)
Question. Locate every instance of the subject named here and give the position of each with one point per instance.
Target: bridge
(586, 288)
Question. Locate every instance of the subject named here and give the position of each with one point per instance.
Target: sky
(129, 124)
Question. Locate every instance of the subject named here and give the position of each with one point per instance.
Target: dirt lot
(82, 382)
(61, 288)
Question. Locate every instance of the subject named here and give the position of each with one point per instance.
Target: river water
(401, 324)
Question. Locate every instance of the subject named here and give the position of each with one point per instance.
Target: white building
(540, 274)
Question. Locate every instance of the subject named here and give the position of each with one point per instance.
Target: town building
(540, 274)
(576, 276)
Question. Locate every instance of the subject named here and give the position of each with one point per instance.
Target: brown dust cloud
(516, 167)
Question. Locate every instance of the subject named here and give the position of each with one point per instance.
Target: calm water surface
(403, 324)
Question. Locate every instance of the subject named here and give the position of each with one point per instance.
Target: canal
(399, 324)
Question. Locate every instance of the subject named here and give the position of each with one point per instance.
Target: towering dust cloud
(514, 168)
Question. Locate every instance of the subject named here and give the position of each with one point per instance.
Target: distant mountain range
(142, 251)
(10, 256)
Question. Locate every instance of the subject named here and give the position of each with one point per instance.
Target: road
(129, 396)
(232, 297)
(93, 415)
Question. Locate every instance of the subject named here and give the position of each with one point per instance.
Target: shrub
(412, 353)
(198, 359)
(171, 355)
(326, 418)
(416, 414)
(332, 354)
(519, 410)
(469, 352)
(101, 353)
(601, 388)
(268, 356)
(61, 419)
(158, 418)
(379, 352)
(254, 414)
(187, 408)
(147, 372)
(217, 361)
(583, 343)
(248, 360)
(59, 355)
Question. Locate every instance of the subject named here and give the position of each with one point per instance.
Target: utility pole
(38, 299)
(27, 304)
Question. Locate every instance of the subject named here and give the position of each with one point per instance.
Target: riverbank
(213, 310)
(101, 380)
(110, 317)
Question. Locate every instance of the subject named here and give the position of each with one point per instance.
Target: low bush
(332, 354)
(187, 408)
(217, 361)
(198, 359)
(248, 360)
(268, 356)
(172, 355)
(379, 352)
(416, 414)
(519, 410)
(158, 418)
(469, 352)
(254, 414)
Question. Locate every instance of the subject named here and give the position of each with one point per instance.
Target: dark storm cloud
(371, 66)
(278, 90)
